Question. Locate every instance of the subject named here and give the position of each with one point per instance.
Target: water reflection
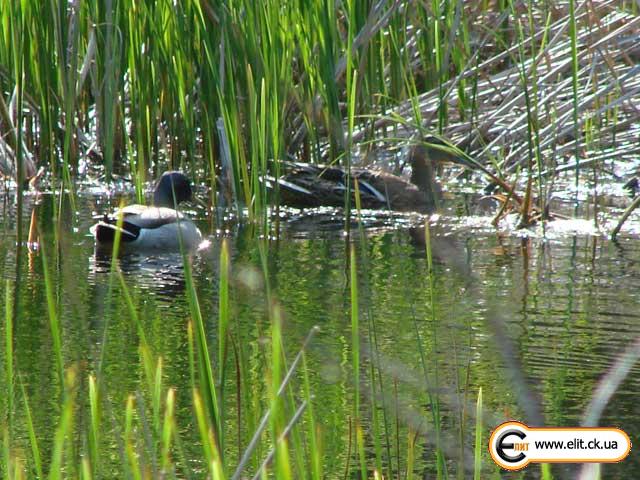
(163, 274)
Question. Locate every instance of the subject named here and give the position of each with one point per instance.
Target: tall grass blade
(282, 443)
(54, 323)
(479, 446)
(93, 463)
(435, 402)
(223, 315)
(64, 428)
(206, 379)
(9, 373)
(33, 436)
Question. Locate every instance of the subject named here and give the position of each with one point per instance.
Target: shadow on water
(536, 323)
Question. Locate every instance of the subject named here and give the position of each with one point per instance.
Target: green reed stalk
(68, 79)
(461, 55)
(260, 169)
(45, 75)
(54, 323)
(33, 438)
(85, 470)
(573, 36)
(284, 465)
(266, 417)
(281, 451)
(438, 56)
(191, 355)
(230, 136)
(355, 333)
(377, 408)
(375, 420)
(277, 406)
(529, 80)
(9, 373)
(115, 252)
(435, 402)
(223, 316)
(111, 76)
(531, 115)
(315, 444)
(355, 346)
(542, 188)
(130, 448)
(414, 100)
(361, 454)
(479, 446)
(209, 442)
(128, 299)
(6, 453)
(153, 373)
(156, 398)
(94, 426)
(168, 429)
(141, 100)
(16, 34)
(206, 378)
(545, 471)
(253, 201)
(293, 437)
(352, 83)
(65, 425)
(411, 453)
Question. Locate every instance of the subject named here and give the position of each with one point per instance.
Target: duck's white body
(148, 228)
(151, 228)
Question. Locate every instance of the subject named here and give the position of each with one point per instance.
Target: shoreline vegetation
(97, 90)
(526, 90)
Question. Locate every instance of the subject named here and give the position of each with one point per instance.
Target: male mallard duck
(157, 227)
(307, 185)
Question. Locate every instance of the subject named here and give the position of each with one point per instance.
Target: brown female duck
(307, 185)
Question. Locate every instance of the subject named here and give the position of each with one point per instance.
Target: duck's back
(150, 217)
(399, 194)
(307, 185)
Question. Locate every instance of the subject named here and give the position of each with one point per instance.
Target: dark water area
(567, 305)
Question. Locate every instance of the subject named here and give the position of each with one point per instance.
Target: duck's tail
(105, 232)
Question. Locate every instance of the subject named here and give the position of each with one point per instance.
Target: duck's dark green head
(172, 184)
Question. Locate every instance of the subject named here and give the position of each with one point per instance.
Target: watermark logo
(513, 445)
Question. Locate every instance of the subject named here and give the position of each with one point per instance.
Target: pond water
(534, 322)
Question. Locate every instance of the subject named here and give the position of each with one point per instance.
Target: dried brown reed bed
(501, 128)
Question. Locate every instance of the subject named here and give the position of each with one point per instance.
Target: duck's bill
(441, 151)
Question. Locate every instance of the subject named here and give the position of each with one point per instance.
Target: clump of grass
(231, 90)
(142, 433)
(149, 437)
(259, 82)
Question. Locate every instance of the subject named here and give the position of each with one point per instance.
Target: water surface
(568, 305)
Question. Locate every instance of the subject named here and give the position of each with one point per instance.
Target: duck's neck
(423, 176)
(162, 198)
